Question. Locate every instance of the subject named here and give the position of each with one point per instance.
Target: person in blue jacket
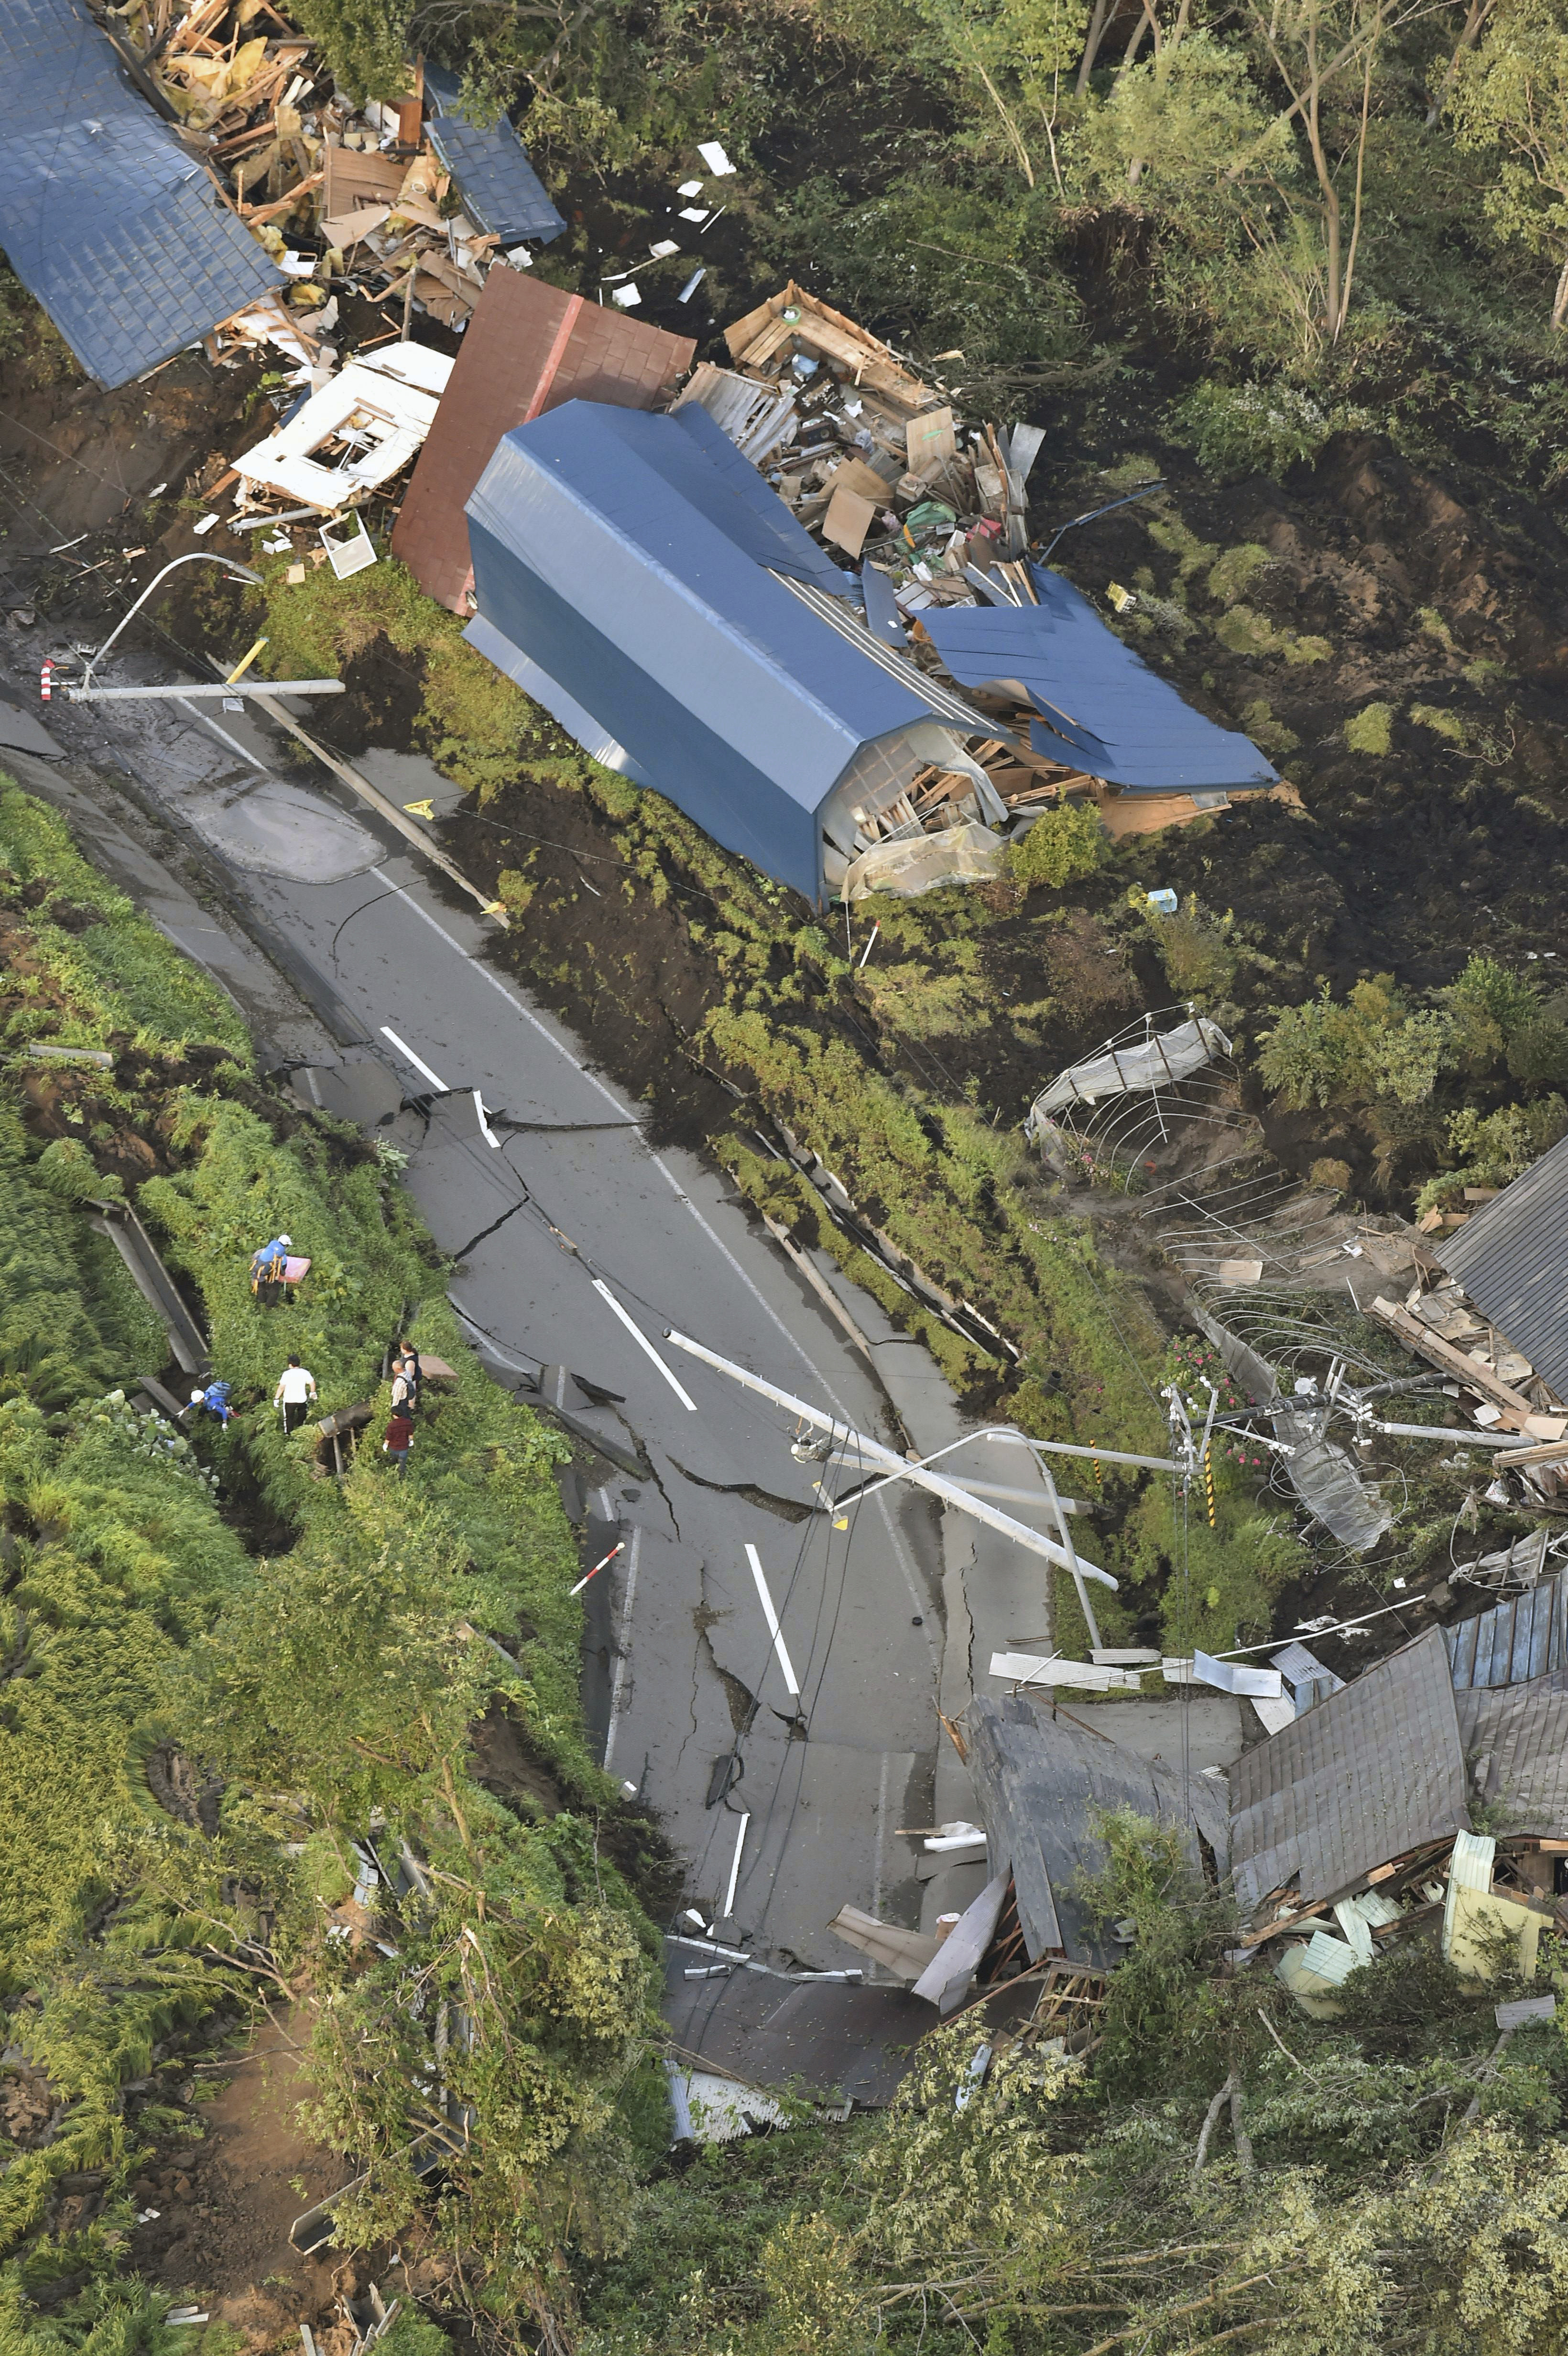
(213, 1400)
(267, 1268)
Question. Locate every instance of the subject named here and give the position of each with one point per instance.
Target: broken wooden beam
(1438, 1353)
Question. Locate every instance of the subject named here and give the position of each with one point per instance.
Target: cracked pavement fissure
(862, 1610)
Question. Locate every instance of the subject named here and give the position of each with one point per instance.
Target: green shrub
(1369, 730)
(1253, 429)
(1067, 842)
(1371, 1045)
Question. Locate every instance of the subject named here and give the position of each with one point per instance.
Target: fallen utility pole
(230, 691)
(872, 1452)
(378, 802)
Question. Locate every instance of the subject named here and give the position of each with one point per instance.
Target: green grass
(340, 1673)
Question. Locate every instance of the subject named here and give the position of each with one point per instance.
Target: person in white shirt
(296, 1387)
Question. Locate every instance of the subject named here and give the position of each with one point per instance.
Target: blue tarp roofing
(631, 558)
(104, 216)
(499, 188)
(1103, 710)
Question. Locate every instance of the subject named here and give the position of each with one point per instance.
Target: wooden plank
(283, 204)
(1438, 1353)
(848, 518)
(1551, 1451)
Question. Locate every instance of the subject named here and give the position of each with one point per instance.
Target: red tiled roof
(529, 348)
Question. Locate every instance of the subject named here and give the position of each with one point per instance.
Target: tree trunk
(1476, 16)
(1560, 301)
(1092, 41)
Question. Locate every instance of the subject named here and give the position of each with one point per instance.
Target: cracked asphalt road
(569, 1205)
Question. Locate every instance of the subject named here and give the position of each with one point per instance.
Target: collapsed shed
(528, 348)
(112, 224)
(637, 576)
(1039, 1781)
(1512, 1257)
(1100, 707)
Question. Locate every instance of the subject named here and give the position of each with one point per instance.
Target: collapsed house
(635, 576)
(112, 224)
(1353, 1827)
(1041, 1782)
(675, 660)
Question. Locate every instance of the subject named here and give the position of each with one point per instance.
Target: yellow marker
(244, 663)
(843, 1524)
(420, 809)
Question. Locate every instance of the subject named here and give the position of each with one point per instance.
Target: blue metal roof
(1104, 710)
(499, 188)
(628, 559)
(105, 217)
(1525, 1637)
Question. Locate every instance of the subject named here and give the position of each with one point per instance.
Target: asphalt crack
(463, 1249)
(788, 1509)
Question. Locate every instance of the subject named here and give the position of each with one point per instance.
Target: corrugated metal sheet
(1525, 1637)
(1516, 1737)
(104, 216)
(1038, 1779)
(530, 348)
(489, 167)
(633, 557)
(1373, 1771)
(1103, 710)
(1512, 1260)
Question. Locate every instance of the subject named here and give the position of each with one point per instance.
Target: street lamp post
(87, 693)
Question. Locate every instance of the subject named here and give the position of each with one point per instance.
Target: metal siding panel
(1536, 1651)
(698, 770)
(1102, 701)
(1461, 1643)
(1512, 1260)
(1485, 1645)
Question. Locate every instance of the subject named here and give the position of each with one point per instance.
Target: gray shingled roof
(1512, 1260)
(489, 166)
(1516, 1737)
(104, 217)
(1375, 1769)
(1037, 1779)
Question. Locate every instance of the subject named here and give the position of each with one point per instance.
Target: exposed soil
(226, 2204)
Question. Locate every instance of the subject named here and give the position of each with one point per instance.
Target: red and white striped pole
(45, 679)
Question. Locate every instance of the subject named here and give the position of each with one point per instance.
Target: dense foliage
(193, 1733)
(1221, 2170)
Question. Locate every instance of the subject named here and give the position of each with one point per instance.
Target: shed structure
(1512, 1260)
(637, 577)
(1375, 1769)
(529, 348)
(105, 217)
(1102, 710)
(1038, 1781)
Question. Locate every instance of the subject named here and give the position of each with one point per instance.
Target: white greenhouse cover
(1142, 1064)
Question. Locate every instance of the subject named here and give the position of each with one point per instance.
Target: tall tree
(1512, 94)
